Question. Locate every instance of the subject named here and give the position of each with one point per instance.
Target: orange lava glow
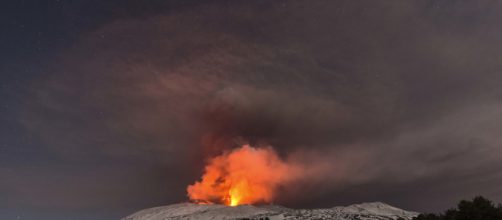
(245, 175)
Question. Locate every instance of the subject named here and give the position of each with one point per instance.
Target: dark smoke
(393, 101)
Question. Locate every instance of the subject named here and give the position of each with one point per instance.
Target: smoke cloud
(391, 101)
(246, 175)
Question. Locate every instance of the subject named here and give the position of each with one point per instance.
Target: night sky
(109, 107)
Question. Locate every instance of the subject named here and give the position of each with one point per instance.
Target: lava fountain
(245, 175)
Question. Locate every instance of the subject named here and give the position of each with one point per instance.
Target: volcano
(191, 211)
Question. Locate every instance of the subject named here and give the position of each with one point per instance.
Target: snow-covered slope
(190, 211)
(376, 208)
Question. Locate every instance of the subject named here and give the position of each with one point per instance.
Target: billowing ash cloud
(399, 102)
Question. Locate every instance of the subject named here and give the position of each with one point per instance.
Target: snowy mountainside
(190, 211)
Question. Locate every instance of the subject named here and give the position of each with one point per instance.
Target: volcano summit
(190, 211)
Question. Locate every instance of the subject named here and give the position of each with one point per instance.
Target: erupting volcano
(245, 175)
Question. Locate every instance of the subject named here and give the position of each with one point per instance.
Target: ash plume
(379, 98)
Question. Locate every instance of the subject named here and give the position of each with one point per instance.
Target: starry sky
(109, 107)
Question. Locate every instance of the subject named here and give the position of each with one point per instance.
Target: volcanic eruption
(244, 175)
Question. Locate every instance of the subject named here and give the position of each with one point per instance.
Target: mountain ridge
(191, 211)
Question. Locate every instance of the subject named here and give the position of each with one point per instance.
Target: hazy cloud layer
(394, 101)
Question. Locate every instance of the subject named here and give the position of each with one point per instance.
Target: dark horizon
(109, 107)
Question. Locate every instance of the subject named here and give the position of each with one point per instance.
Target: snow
(375, 208)
(190, 211)
(195, 212)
